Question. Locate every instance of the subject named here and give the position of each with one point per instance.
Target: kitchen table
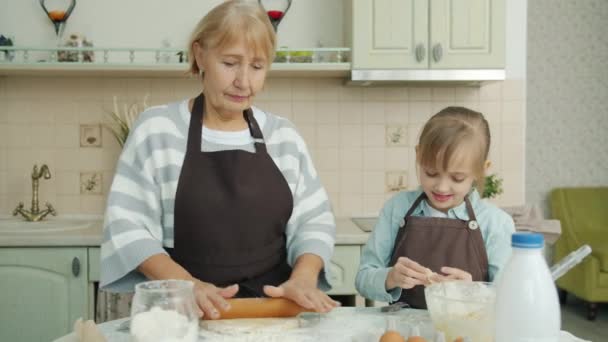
(342, 324)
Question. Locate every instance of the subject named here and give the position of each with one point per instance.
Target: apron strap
(415, 205)
(254, 129)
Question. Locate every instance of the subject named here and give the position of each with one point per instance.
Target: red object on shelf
(276, 15)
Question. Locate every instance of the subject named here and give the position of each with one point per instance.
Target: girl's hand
(452, 273)
(304, 292)
(211, 298)
(406, 274)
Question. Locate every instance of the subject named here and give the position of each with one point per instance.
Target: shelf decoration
(276, 10)
(59, 17)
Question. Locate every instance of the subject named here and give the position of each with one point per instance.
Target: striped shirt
(138, 221)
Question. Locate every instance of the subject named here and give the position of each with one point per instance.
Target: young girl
(443, 231)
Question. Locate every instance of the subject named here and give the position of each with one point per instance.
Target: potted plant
(492, 186)
(122, 121)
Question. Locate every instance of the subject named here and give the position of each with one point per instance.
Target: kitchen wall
(362, 139)
(566, 140)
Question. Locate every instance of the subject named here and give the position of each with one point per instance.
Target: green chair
(583, 213)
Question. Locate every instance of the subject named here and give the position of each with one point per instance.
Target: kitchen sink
(14, 225)
(366, 224)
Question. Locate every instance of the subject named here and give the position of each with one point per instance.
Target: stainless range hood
(369, 77)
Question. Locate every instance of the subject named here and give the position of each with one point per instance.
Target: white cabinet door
(467, 34)
(390, 34)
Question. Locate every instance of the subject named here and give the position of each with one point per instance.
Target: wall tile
(351, 135)
(373, 113)
(492, 111)
(444, 94)
(327, 112)
(514, 112)
(466, 94)
(3, 183)
(327, 136)
(514, 90)
(351, 94)
(67, 135)
(303, 90)
(417, 94)
(396, 94)
(67, 182)
(351, 113)
(374, 135)
(397, 112)
(490, 91)
(420, 112)
(279, 90)
(42, 136)
(309, 134)
(304, 112)
(351, 159)
(351, 182)
(374, 159)
(372, 204)
(330, 180)
(68, 204)
(19, 135)
(372, 94)
(327, 90)
(92, 204)
(351, 205)
(327, 159)
(373, 183)
(396, 158)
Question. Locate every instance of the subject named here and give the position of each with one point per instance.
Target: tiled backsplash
(362, 139)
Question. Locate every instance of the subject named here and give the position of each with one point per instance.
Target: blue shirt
(496, 228)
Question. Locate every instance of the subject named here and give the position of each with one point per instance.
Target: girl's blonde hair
(228, 23)
(452, 133)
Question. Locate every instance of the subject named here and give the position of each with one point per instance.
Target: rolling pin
(261, 308)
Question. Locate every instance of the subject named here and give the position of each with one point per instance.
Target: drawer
(343, 269)
(94, 264)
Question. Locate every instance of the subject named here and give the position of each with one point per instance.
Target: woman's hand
(302, 285)
(304, 292)
(211, 299)
(406, 274)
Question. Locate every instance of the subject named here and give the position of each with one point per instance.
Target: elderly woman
(216, 191)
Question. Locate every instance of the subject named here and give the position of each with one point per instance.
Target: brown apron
(435, 242)
(231, 211)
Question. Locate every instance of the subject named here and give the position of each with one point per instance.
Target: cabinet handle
(437, 52)
(75, 267)
(420, 52)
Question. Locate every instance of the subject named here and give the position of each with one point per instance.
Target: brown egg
(392, 336)
(416, 339)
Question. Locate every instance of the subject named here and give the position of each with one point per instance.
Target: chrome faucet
(35, 214)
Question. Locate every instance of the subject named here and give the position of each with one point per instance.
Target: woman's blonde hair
(228, 23)
(449, 134)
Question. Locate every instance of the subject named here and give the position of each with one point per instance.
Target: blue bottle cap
(527, 240)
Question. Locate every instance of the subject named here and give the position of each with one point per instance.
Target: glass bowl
(164, 310)
(462, 309)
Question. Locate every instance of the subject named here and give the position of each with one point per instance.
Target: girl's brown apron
(435, 242)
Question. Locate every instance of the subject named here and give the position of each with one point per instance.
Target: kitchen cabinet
(44, 290)
(428, 34)
(343, 269)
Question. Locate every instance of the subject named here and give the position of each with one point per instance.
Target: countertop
(342, 324)
(347, 233)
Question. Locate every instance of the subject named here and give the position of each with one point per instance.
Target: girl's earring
(201, 72)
